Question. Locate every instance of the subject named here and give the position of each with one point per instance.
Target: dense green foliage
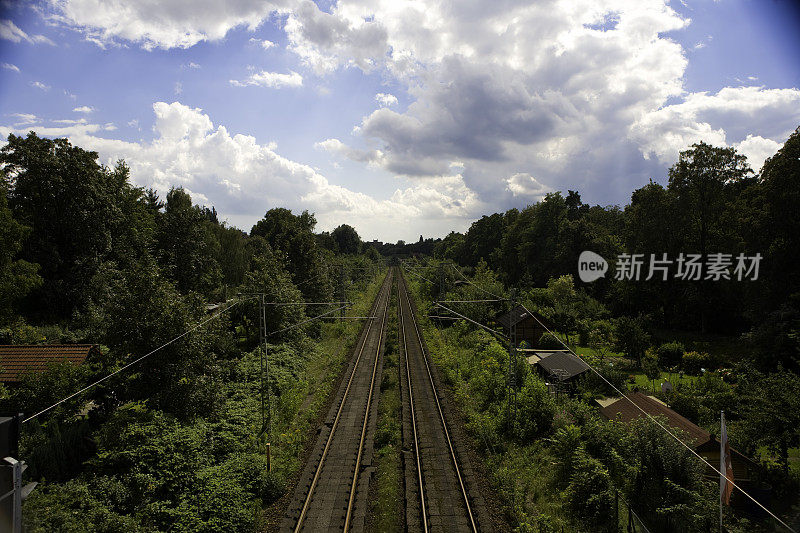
(176, 441)
(712, 203)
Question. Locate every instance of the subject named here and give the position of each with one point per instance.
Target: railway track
(437, 488)
(333, 489)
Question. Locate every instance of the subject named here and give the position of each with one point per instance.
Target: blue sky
(400, 118)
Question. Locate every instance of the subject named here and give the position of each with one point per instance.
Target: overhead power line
(148, 354)
(487, 328)
(670, 433)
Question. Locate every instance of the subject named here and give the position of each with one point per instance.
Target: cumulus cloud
(174, 24)
(10, 66)
(386, 100)
(525, 185)
(263, 43)
(23, 119)
(273, 80)
(84, 109)
(732, 115)
(337, 147)
(243, 178)
(580, 94)
(11, 32)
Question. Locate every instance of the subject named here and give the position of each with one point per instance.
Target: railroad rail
(332, 493)
(436, 492)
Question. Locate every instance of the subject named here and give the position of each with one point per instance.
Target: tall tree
(76, 210)
(17, 276)
(187, 246)
(347, 239)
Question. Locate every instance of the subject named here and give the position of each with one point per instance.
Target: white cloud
(69, 121)
(11, 32)
(732, 115)
(264, 43)
(40, 85)
(10, 66)
(243, 178)
(174, 24)
(386, 100)
(578, 93)
(757, 149)
(192, 65)
(525, 185)
(337, 147)
(84, 109)
(25, 119)
(274, 80)
(178, 87)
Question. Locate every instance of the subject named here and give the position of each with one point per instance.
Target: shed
(704, 443)
(525, 326)
(561, 365)
(16, 360)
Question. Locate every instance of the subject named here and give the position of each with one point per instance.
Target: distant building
(16, 360)
(558, 368)
(704, 443)
(524, 326)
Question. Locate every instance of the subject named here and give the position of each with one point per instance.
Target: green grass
(725, 349)
(386, 508)
(646, 385)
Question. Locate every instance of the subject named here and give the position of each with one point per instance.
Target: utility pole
(266, 419)
(12, 492)
(342, 292)
(512, 352)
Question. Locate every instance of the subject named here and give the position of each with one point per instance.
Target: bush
(590, 495)
(671, 353)
(548, 341)
(692, 362)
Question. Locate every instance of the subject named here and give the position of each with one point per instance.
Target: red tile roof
(15, 360)
(624, 411)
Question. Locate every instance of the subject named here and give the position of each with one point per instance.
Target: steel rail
(335, 424)
(351, 499)
(413, 413)
(441, 413)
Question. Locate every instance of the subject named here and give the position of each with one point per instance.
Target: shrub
(671, 353)
(548, 341)
(692, 362)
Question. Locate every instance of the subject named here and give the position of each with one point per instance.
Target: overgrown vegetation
(178, 441)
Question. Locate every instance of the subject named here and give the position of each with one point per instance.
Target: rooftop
(15, 360)
(564, 364)
(626, 411)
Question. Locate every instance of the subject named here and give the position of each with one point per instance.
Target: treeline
(87, 257)
(713, 203)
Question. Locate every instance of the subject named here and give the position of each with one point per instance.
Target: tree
(650, 367)
(80, 214)
(17, 276)
(187, 246)
(632, 339)
(347, 239)
(293, 236)
(771, 412)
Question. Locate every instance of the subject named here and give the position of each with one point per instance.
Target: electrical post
(512, 352)
(12, 492)
(266, 413)
(342, 292)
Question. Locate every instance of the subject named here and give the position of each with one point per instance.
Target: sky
(400, 118)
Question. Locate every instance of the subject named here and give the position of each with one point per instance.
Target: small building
(523, 326)
(16, 360)
(559, 368)
(704, 443)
